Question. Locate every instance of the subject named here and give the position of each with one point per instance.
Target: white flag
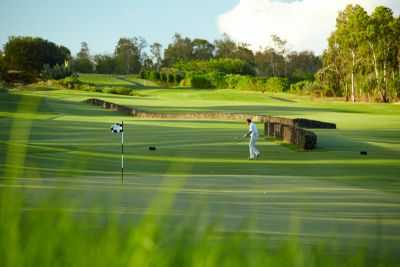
(116, 128)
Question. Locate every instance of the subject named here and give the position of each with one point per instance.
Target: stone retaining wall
(286, 129)
(304, 123)
(303, 139)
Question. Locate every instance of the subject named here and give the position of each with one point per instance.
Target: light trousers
(254, 152)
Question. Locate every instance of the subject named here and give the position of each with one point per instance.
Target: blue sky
(306, 24)
(101, 23)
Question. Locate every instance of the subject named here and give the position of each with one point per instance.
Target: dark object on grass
(152, 148)
(364, 153)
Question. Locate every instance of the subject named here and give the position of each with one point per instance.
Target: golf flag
(117, 128)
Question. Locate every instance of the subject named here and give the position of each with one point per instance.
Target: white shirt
(253, 129)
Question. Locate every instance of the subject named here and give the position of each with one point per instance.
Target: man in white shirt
(253, 133)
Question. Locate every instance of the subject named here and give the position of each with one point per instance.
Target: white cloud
(306, 24)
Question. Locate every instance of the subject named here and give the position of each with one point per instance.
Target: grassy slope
(333, 191)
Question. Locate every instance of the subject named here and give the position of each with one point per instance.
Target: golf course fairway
(60, 174)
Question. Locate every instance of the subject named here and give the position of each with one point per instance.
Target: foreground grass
(196, 200)
(73, 235)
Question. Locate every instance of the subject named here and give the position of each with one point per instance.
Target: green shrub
(142, 74)
(314, 88)
(232, 80)
(92, 88)
(300, 75)
(110, 90)
(55, 73)
(3, 88)
(218, 80)
(245, 83)
(70, 82)
(297, 88)
(170, 78)
(201, 82)
(133, 93)
(185, 83)
(117, 90)
(163, 77)
(277, 84)
(224, 65)
(121, 90)
(154, 75)
(177, 78)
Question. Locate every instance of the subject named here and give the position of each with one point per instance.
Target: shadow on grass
(9, 103)
(379, 140)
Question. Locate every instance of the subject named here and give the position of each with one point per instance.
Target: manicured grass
(122, 80)
(286, 205)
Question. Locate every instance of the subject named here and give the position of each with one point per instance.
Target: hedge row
(166, 76)
(219, 80)
(224, 65)
(301, 138)
(216, 80)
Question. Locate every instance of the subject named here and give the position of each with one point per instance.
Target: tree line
(131, 55)
(24, 58)
(362, 60)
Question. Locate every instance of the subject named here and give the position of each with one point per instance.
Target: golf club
(238, 139)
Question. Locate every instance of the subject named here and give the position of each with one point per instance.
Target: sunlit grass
(196, 200)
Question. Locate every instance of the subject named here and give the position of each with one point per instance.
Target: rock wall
(289, 130)
(303, 139)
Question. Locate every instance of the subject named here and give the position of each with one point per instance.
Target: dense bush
(224, 65)
(2, 67)
(219, 80)
(299, 75)
(3, 88)
(142, 74)
(246, 83)
(297, 88)
(177, 77)
(133, 93)
(154, 75)
(311, 88)
(232, 66)
(23, 58)
(277, 84)
(55, 73)
(170, 78)
(90, 88)
(201, 81)
(118, 90)
(165, 77)
(70, 82)
(316, 89)
(232, 80)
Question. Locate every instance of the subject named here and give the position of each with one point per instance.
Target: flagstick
(122, 154)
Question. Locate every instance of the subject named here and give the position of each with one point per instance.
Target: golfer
(253, 133)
